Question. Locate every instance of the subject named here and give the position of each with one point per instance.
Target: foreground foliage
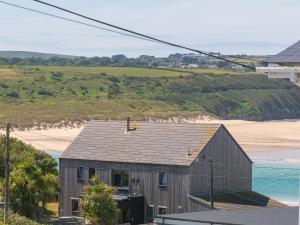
(98, 205)
(33, 179)
(16, 219)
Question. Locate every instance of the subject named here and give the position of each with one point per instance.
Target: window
(120, 178)
(149, 212)
(75, 206)
(80, 173)
(92, 173)
(162, 210)
(163, 179)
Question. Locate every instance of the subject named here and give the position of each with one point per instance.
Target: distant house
(288, 57)
(192, 66)
(285, 64)
(158, 168)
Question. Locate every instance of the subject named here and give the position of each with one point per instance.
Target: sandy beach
(252, 136)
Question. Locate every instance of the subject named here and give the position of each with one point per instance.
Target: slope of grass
(117, 71)
(31, 95)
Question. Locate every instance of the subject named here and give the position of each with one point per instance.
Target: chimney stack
(128, 124)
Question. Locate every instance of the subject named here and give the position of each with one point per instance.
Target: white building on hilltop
(285, 64)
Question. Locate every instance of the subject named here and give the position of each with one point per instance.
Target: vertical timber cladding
(174, 196)
(232, 167)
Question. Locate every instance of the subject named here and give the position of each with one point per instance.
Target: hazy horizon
(229, 27)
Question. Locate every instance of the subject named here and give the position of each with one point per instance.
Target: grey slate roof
(261, 216)
(151, 143)
(289, 55)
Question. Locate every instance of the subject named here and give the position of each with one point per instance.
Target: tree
(97, 203)
(33, 179)
(189, 60)
(118, 58)
(31, 188)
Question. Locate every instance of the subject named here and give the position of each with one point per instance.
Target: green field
(33, 95)
(116, 71)
(214, 71)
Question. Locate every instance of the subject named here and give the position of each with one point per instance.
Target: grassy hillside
(31, 95)
(25, 54)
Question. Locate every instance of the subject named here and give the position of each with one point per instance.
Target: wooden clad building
(160, 167)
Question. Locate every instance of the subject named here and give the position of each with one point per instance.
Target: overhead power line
(129, 32)
(142, 35)
(72, 20)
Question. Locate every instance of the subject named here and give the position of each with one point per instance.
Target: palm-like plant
(97, 203)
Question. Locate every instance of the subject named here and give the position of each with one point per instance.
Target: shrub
(98, 205)
(113, 90)
(45, 93)
(13, 94)
(33, 179)
(114, 79)
(57, 74)
(16, 219)
(4, 86)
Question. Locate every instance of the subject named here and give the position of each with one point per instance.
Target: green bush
(33, 179)
(15, 219)
(98, 205)
(45, 93)
(12, 94)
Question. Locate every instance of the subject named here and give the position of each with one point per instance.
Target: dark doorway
(136, 209)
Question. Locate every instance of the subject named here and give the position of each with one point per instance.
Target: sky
(226, 26)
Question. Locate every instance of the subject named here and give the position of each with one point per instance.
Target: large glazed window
(120, 178)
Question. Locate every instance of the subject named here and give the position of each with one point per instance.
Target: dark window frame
(124, 182)
(162, 207)
(150, 207)
(91, 175)
(80, 173)
(163, 179)
(75, 212)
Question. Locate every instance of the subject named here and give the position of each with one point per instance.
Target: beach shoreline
(253, 136)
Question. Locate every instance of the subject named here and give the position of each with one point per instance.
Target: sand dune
(252, 136)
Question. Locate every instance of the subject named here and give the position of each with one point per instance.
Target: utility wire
(74, 21)
(144, 35)
(103, 28)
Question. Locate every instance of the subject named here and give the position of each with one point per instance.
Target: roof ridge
(156, 122)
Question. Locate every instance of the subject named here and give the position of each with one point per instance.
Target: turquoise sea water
(273, 178)
(277, 180)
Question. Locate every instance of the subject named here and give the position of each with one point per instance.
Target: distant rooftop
(150, 143)
(261, 216)
(289, 55)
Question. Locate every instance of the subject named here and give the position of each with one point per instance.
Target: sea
(275, 174)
